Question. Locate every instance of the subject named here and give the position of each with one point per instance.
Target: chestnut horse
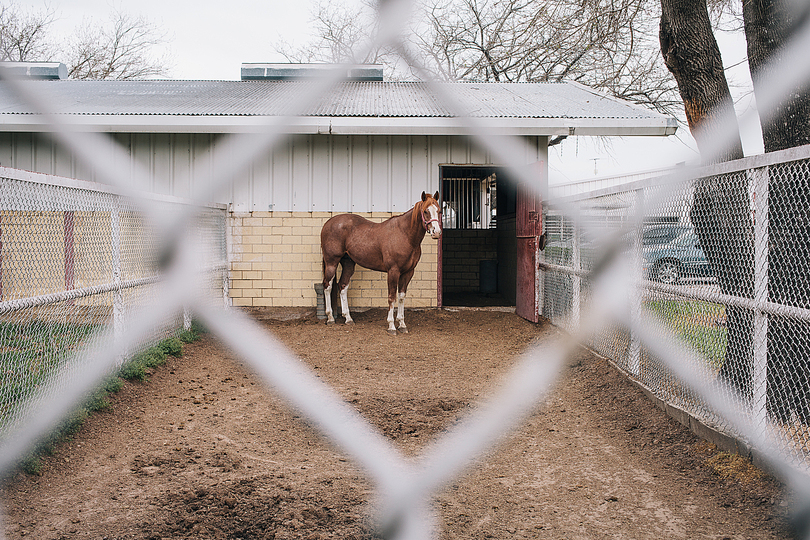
(393, 246)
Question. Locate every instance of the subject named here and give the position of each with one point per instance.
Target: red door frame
(529, 227)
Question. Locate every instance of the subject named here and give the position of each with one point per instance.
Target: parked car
(662, 234)
(681, 257)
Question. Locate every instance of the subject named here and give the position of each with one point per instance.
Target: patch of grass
(32, 463)
(171, 346)
(133, 371)
(188, 336)
(702, 326)
(198, 328)
(98, 400)
(34, 350)
(137, 367)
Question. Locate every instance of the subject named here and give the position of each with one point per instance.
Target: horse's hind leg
(343, 287)
(329, 271)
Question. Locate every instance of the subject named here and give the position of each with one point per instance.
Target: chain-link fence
(89, 276)
(79, 262)
(719, 267)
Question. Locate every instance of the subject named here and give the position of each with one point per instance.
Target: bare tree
(23, 35)
(605, 44)
(720, 212)
(123, 50)
(342, 36)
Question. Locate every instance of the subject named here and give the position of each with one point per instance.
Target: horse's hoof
(392, 332)
(402, 330)
(330, 323)
(349, 322)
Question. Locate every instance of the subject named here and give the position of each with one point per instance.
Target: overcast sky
(206, 39)
(211, 39)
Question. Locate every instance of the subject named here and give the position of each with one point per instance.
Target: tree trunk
(721, 212)
(768, 26)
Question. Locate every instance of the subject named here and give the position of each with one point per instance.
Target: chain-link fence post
(576, 280)
(634, 353)
(760, 331)
(115, 248)
(226, 272)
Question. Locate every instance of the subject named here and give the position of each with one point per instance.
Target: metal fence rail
(77, 262)
(742, 337)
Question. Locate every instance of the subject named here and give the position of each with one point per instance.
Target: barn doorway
(478, 242)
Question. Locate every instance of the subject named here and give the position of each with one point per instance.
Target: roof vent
(288, 72)
(35, 70)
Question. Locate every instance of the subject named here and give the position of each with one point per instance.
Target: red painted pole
(1, 257)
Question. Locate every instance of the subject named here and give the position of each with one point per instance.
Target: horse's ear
(436, 196)
(424, 196)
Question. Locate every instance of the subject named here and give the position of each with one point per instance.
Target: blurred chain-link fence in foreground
(89, 275)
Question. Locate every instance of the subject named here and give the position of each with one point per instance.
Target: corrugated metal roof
(367, 107)
(358, 99)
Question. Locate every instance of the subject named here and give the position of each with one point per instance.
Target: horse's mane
(415, 213)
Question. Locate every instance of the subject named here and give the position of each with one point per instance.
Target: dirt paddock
(203, 450)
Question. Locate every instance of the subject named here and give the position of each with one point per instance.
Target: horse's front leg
(393, 280)
(401, 313)
(402, 288)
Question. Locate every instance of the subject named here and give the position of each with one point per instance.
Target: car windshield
(688, 239)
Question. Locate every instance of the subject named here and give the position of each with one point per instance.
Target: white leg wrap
(344, 304)
(391, 327)
(401, 310)
(327, 297)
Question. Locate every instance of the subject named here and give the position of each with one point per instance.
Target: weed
(133, 370)
(171, 346)
(150, 358)
(198, 328)
(188, 336)
(32, 464)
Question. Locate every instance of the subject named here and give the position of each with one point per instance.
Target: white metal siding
(319, 173)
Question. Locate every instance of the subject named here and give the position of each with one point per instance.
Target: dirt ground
(203, 450)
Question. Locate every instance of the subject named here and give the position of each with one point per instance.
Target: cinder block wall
(276, 260)
(462, 251)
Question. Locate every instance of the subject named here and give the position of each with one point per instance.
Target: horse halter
(427, 222)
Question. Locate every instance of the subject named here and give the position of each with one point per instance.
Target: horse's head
(429, 210)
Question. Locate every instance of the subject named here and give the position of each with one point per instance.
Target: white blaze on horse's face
(434, 227)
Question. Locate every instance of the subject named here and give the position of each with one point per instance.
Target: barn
(364, 145)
